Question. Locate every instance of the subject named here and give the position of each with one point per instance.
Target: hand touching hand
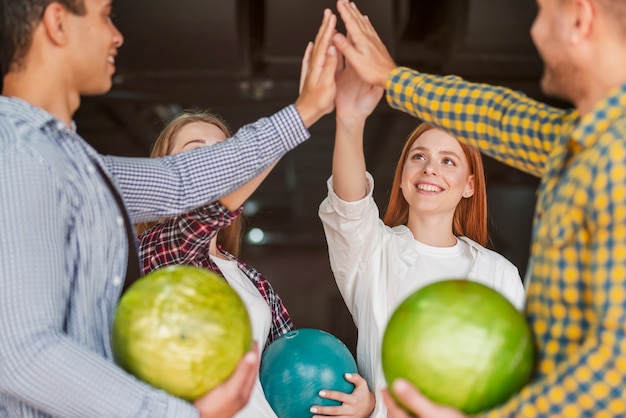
(363, 47)
(416, 402)
(358, 404)
(317, 84)
(230, 397)
(355, 99)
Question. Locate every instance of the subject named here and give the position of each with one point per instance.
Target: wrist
(385, 73)
(372, 403)
(308, 114)
(350, 122)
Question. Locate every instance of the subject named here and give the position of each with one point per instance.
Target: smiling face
(94, 41)
(436, 174)
(195, 135)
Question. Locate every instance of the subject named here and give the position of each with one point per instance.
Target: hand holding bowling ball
(296, 366)
(182, 329)
(461, 343)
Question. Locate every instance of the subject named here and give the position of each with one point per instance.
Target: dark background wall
(241, 58)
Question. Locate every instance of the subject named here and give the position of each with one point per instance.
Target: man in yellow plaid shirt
(576, 301)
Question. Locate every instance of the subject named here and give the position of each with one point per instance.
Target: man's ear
(54, 22)
(584, 16)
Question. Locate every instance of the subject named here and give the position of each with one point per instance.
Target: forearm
(237, 198)
(180, 240)
(502, 123)
(54, 334)
(54, 337)
(160, 188)
(353, 231)
(349, 181)
(53, 375)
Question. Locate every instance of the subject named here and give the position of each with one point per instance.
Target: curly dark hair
(18, 19)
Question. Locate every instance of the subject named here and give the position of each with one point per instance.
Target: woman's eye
(448, 161)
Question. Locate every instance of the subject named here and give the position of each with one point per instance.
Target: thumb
(306, 63)
(355, 379)
(345, 48)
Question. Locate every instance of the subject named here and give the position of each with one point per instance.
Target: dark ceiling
(241, 58)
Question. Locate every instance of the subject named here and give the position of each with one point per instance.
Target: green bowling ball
(182, 329)
(460, 343)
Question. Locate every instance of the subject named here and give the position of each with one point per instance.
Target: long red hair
(470, 216)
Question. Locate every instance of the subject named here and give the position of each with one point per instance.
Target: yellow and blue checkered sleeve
(502, 123)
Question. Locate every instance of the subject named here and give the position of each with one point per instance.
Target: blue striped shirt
(64, 248)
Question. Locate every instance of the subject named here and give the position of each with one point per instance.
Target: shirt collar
(17, 108)
(603, 116)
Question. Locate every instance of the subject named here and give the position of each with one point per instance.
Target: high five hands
(362, 47)
(317, 81)
(363, 60)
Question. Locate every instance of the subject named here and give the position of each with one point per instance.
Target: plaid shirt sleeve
(502, 123)
(184, 239)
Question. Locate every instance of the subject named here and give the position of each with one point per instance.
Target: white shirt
(376, 267)
(261, 320)
(431, 265)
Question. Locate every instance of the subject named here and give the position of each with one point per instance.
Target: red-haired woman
(435, 227)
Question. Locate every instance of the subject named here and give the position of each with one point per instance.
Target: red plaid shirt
(185, 240)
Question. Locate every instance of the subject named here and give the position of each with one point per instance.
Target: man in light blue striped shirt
(63, 243)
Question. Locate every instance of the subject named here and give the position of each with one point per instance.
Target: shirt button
(91, 169)
(60, 126)
(117, 280)
(120, 221)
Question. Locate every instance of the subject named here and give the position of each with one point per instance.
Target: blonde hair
(230, 237)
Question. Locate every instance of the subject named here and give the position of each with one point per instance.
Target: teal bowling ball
(296, 366)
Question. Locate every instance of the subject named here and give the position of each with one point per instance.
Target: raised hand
(230, 397)
(355, 99)
(363, 48)
(358, 404)
(317, 85)
(416, 402)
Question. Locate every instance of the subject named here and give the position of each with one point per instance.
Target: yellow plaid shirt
(576, 302)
